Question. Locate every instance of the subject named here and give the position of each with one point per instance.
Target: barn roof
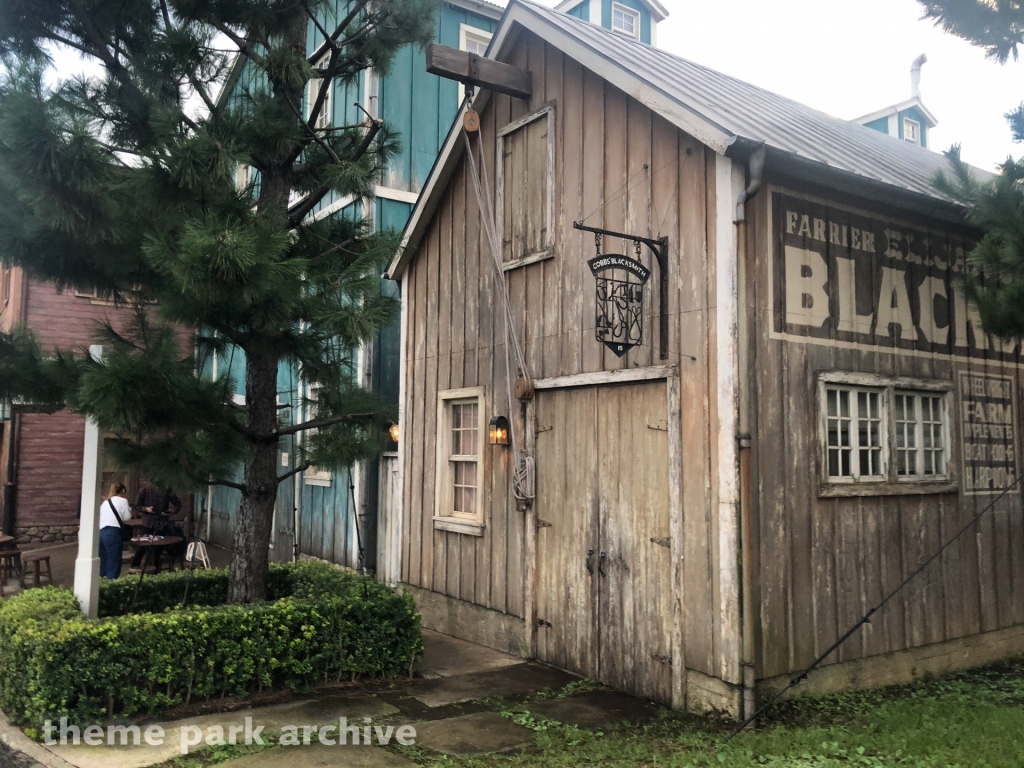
(725, 113)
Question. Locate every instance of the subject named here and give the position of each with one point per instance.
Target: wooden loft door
(604, 566)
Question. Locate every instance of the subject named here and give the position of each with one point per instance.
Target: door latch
(590, 568)
(600, 564)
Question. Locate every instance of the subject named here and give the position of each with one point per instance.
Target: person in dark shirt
(154, 502)
(155, 507)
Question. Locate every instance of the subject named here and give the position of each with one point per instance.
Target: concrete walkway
(448, 709)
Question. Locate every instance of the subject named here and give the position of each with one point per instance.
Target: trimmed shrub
(324, 625)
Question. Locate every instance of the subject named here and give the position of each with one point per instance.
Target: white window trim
(891, 484)
(944, 404)
(855, 447)
(467, 31)
(313, 87)
(314, 475)
(547, 250)
(443, 476)
(917, 128)
(625, 9)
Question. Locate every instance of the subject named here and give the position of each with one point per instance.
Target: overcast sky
(847, 58)
(852, 57)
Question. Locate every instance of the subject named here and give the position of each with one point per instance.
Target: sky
(844, 57)
(852, 57)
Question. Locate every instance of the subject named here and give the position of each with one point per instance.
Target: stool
(10, 565)
(36, 561)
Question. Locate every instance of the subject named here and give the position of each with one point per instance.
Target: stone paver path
(447, 707)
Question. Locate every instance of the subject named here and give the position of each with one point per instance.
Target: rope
(866, 618)
(523, 476)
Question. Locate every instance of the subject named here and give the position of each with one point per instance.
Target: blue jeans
(110, 552)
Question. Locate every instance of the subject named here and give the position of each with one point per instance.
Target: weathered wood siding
(617, 166)
(823, 562)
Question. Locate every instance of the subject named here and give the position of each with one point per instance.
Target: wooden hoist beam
(471, 69)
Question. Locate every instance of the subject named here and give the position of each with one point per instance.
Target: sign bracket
(659, 247)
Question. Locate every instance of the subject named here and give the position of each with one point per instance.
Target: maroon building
(41, 453)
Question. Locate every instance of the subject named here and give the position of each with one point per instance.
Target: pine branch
(321, 423)
(293, 472)
(115, 67)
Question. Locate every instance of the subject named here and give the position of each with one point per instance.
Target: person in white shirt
(113, 507)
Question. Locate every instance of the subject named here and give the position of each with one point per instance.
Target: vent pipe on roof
(915, 76)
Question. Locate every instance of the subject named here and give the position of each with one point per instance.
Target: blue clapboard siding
(420, 106)
(581, 11)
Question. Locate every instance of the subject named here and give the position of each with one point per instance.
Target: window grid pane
(932, 436)
(839, 432)
(465, 441)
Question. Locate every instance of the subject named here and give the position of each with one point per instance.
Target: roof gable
(720, 111)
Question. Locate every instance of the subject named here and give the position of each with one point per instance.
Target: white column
(87, 565)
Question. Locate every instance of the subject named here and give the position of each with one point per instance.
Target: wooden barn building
(749, 419)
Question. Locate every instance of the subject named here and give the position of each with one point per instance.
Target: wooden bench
(36, 561)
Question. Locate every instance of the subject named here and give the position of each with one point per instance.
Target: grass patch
(973, 718)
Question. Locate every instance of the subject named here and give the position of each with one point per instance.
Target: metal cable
(866, 618)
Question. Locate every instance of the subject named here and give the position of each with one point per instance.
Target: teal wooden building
(908, 120)
(334, 515)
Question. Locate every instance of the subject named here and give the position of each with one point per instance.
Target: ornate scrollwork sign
(619, 305)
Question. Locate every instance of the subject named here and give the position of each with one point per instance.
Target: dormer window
(911, 131)
(626, 20)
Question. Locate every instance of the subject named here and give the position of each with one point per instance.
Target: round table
(150, 545)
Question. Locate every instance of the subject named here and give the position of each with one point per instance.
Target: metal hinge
(542, 623)
(543, 523)
(664, 541)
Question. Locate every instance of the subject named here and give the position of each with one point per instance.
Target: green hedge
(324, 625)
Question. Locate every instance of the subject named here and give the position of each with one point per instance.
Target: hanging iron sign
(619, 320)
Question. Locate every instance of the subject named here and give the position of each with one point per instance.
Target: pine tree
(128, 184)
(996, 280)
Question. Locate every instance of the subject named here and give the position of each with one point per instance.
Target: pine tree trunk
(250, 561)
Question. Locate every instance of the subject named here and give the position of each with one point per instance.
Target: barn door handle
(590, 568)
(600, 564)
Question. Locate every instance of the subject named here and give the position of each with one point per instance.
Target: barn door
(567, 509)
(603, 565)
(635, 608)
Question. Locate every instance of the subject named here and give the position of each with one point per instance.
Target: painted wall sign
(619, 316)
(988, 433)
(847, 277)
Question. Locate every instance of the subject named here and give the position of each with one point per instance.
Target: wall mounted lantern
(393, 431)
(498, 432)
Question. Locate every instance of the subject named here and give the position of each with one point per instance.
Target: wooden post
(87, 565)
(676, 533)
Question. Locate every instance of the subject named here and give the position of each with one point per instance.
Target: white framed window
(314, 475)
(921, 435)
(324, 119)
(854, 426)
(472, 40)
(911, 131)
(626, 21)
(525, 188)
(461, 435)
(884, 435)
